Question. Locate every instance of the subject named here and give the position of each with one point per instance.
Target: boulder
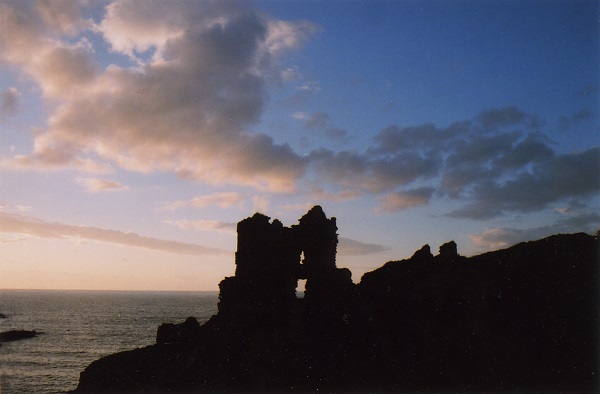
(16, 335)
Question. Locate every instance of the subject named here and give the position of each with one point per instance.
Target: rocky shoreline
(519, 319)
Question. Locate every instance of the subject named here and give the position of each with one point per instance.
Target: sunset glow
(136, 134)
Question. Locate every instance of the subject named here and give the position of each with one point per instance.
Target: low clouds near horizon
(502, 237)
(19, 224)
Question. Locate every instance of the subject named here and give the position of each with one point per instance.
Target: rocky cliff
(520, 319)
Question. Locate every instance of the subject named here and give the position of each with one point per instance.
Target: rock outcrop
(520, 319)
(17, 335)
(185, 333)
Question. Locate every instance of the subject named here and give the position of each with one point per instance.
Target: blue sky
(134, 135)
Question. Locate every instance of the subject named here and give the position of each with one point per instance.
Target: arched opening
(300, 288)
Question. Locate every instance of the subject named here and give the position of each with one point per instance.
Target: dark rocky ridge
(520, 319)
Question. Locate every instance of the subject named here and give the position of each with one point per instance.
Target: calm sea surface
(79, 327)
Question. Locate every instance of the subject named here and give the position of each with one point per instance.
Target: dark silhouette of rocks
(448, 251)
(519, 319)
(423, 254)
(17, 335)
(185, 333)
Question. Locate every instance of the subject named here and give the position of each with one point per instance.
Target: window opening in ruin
(300, 288)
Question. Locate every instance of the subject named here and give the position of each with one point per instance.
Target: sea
(78, 327)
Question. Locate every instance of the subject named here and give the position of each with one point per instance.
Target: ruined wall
(268, 261)
(267, 265)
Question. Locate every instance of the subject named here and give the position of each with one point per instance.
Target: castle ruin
(271, 258)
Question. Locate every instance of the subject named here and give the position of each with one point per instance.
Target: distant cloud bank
(12, 223)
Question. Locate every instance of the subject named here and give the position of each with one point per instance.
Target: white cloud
(282, 35)
(125, 26)
(11, 223)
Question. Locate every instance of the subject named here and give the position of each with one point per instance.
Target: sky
(134, 135)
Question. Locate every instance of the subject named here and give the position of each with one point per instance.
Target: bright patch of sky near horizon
(134, 135)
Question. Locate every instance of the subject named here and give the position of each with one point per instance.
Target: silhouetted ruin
(271, 258)
(519, 319)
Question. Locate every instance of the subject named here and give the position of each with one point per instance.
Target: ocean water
(78, 327)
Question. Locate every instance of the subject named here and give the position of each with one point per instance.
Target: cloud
(290, 74)
(9, 102)
(222, 200)
(321, 121)
(260, 203)
(560, 177)
(501, 237)
(204, 225)
(310, 87)
(31, 39)
(573, 206)
(197, 86)
(283, 35)
(55, 159)
(11, 223)
(351, 247)
(374, 173)
(495, 164)
(318, 120)
(190, 90)
(394, 139)
(397, 201)
(588, 90)
(318, 194)
(504, 117)
(335, 133)
(482, 158)
(62, 15)
(95, 185)
(14, 208)
(299, 115)
(566, 122)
